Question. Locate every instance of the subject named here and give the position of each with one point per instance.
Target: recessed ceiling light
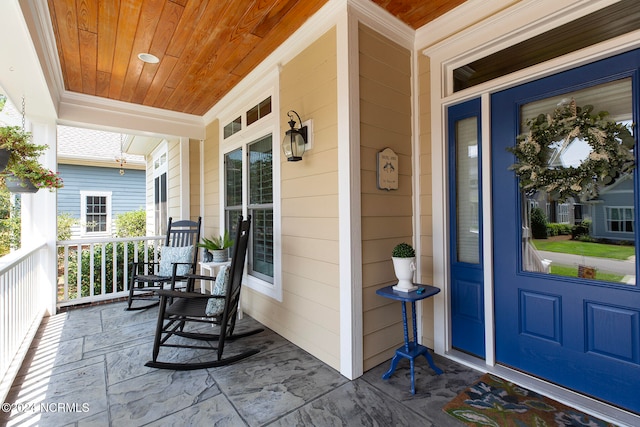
(148, 58)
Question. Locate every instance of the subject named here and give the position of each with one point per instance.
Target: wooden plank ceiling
(205, 47)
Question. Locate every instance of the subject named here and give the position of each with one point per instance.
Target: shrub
(131, 224)
(538, 224)
(557, 229)
(586, 238)
(581, 230)
(65, 222)
(105, 251)
(9, 223)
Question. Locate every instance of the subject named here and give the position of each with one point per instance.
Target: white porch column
(185, 186)
(39, 216)
(351, 340)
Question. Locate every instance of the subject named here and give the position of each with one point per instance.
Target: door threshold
(570, 398)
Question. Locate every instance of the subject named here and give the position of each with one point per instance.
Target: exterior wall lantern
(295, 140)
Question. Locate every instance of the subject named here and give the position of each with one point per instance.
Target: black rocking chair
(178, 257)
(177, 308)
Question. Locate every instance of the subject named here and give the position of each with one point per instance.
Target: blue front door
(465, 231)
(573, 329)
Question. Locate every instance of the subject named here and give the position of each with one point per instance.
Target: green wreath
(611, 152)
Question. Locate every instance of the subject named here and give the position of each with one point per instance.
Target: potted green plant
(218, 247)
(404, 264)
(23, 172)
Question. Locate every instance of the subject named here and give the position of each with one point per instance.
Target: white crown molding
(491, 25)
(505, 28)
(100, 162)
(39, 21)
(20, 72)
(108, 114)
(380, 20)
(259, 88)
(77, 109)
(316, 25)
(467, 14)
(92, 111)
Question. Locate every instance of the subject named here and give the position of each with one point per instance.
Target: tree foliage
(9, 222)
(131, 224)
(538, 224)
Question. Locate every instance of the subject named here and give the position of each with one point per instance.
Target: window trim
(249, 134)
(83, 213)
(608, 220)
(251, 207)
(158, 171)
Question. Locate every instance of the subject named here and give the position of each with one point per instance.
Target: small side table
(210, 269)
(411, 349)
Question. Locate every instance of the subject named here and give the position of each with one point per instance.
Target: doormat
(495, 402)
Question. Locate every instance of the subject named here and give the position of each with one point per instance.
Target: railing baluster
(114, 273)
(79, 277)
(91, 264)
(65, 281)
(22, 307)
(103, 266)
(125, 263)
(67, 297)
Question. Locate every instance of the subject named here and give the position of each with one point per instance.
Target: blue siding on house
(128, 190)
(619, 195)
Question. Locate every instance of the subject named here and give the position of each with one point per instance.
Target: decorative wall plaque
(387, 170)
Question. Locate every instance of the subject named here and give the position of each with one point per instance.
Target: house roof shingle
(94, 146)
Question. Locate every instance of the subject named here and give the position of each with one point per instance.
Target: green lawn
(599, 250)
(564, 270)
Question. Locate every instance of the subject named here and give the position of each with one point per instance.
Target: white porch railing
(22, 306)
(99, 269)
(92, 270)
(531, 259)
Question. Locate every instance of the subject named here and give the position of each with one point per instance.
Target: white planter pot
(404, 268)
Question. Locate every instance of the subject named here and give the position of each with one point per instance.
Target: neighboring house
(323, 231)
(97, 186)
(613, 212)
(568, 212)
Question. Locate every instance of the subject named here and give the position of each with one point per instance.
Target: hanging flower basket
(23, 162)
(5, 155)
(19, 185)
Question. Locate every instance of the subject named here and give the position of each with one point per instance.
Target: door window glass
(590, 233)
(467, 191)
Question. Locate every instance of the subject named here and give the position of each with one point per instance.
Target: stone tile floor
(86, 368)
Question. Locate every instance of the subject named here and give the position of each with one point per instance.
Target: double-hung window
(260, 207)
(248, 177)
(95, 209)
(256, 158)
(619, 219)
